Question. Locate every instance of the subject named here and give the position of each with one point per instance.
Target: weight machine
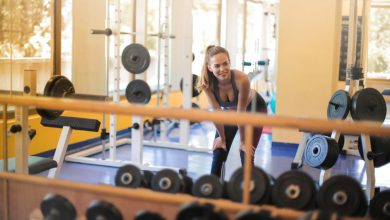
(137, 129)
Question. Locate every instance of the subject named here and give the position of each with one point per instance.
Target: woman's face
(219, 65)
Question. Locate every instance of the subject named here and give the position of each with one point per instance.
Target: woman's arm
(221, 143)
(243, 87)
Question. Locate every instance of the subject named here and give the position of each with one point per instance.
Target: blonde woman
(228, 89)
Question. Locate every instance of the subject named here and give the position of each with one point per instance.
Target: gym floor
(274, 158)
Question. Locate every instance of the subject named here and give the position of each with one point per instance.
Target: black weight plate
(147, 178)
(339, 105)
(380, 205)
(57, 207)
(135, 58)
(195, 92)
(46, 113)
(380, 147)
(321, 152)
(128, 176)
(260, 186)
(196, 211)
(368, 104)
(138, 91)
(103, 210)
(208, 186)
(255, 215)
(342, 194)
(147, 215)
(294, 189)
(62, 87)
(167, 180)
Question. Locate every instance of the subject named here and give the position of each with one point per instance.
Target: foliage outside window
(379, 43)
(25, 28)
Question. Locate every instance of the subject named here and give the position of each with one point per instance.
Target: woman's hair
(204, 81)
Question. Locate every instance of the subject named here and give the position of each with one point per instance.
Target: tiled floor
(274, 158)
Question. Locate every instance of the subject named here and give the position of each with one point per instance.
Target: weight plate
(57, 207)
(138, 91)
(195, 91)
(294, 189)
(259, 187)
(195, 211)
(321, 152)
(147, 215)
(380, 147)
(167, 180)
(128, 176)
(53, 88)
(255, 215)
(368, 104)
(339, 105)
(208, 186)
(380, 205)
(342, 194)
(103, 210)
(62, 87)
(135, 58)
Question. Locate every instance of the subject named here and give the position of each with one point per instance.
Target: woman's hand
(243, 147)
(219, 143)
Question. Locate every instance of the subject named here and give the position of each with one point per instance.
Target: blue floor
(274, 158)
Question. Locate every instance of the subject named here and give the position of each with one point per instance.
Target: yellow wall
(308, 52)
(47, 138)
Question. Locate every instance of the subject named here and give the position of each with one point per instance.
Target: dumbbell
(132, 177)
(255, 215)
(196, 211)
(380, 205)
(102, 210)
(60, 86)
(57, 207)
(342, 194)
(170, 181)
(148, 215)
(260, 186)
(209, 186)
(294, 189)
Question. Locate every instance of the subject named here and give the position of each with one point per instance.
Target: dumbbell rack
(354, 83)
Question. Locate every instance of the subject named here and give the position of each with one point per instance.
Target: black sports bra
(229, 104)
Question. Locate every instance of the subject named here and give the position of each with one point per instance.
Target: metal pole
(5, 139)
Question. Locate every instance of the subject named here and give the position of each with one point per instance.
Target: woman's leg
(219, 154)
(261, 106)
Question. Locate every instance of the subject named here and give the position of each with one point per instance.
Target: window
(379, 41)
(204, 12)
(25, 39)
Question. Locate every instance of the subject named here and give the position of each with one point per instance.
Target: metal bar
(5, 138)
(197, 115)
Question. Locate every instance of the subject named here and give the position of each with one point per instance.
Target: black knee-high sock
(242, 156)
(219, 156)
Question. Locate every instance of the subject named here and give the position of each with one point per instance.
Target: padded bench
(35, 164)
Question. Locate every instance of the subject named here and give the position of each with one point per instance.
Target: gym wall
(308, 52)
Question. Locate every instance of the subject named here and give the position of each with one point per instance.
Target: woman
(228, 89)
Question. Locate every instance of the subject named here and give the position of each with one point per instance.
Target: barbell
(58, 86)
